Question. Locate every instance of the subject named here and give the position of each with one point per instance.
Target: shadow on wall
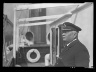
(7, 29)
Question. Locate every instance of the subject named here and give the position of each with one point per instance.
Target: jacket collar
(69, 45)
(71, 42)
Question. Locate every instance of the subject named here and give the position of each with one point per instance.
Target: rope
(75, 16)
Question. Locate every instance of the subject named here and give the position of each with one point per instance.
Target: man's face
(68, 35)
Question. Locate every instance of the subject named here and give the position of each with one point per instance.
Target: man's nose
(63, 34)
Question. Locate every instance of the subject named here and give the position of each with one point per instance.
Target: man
(74, 53)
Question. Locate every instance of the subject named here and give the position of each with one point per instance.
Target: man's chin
(64, 39)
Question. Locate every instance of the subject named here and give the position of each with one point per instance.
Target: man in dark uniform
(74, 53)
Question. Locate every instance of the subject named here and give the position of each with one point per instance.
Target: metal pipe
(68, 15)
(14, 34)
(41, 18)
(51, 47)
(84, 6)
(43, 5)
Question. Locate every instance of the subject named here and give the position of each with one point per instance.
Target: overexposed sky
(9, 8)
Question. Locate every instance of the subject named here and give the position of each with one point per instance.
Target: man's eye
(64, 32)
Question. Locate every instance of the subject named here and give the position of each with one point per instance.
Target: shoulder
(80, 47)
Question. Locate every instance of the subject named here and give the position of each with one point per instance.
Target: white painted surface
(85, 22)
(47, 60)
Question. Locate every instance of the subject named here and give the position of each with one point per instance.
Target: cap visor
(66, 29)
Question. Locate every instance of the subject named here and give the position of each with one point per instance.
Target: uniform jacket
(74, 55)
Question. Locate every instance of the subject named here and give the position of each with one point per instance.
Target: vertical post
(14, 34)
(58, 44)
(54, 46)
(17, 36)
(50, 47)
